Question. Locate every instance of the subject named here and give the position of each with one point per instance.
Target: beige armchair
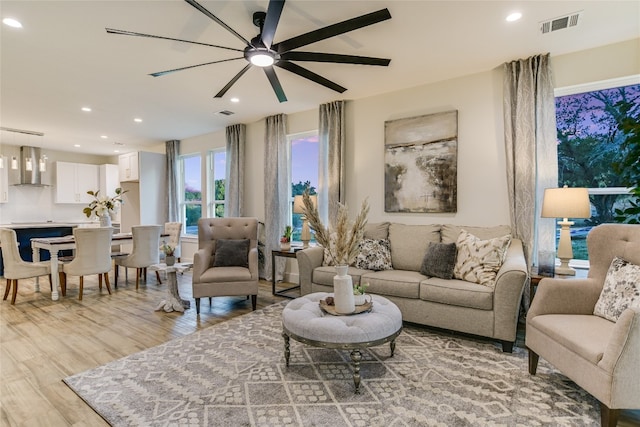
(601, 356)
(226, 263)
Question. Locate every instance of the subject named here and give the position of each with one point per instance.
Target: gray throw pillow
(231, 253)
(439, 260)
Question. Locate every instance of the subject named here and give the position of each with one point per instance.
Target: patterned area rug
(233, 374)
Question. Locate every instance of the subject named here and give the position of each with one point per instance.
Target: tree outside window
(217, 176)
(304, 172)
(591, 142)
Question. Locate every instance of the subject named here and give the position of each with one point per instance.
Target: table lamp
(298, 208)
(565, 203)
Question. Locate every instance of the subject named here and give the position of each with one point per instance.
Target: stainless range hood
(30, 174)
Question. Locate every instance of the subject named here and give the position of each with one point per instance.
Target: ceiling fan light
(261, 59)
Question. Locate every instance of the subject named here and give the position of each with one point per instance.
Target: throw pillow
(231, 253)
(375, 254)
(621, 290)
(478, 260)
(439, 260)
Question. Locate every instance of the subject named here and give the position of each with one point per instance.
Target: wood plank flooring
(44, 341)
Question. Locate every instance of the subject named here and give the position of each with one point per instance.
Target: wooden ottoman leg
(356, 357)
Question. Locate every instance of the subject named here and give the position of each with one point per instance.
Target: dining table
(56, 244)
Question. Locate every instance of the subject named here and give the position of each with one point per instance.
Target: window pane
(192, 215)
(192, 179)
(304, 173)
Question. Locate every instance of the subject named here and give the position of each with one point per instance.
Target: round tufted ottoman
(304, 321)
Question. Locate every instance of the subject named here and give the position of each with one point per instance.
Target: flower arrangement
(286, 237)
(343, 243)
(167, 249)
(102, 205)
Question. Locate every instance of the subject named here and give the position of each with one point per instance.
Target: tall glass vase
(343, 291)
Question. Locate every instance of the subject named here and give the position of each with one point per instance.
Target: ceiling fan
(262, 52)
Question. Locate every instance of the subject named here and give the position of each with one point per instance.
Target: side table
(173, 302)
(284, 254)
(535, 279)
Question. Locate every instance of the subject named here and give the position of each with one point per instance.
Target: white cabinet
(109, 179)
(73, 180)
(4, 181)
(129, 167)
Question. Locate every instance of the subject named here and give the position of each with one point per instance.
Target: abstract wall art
(421, 157)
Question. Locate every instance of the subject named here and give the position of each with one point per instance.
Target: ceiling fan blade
(275, 83)
(131, 33)
(334, 57)
(232, 82)
(271, 21)
(163, 73)
(303, 72)
(201, 8)
(332, 30)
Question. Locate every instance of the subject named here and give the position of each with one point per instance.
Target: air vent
(225, 112)
(560, 23)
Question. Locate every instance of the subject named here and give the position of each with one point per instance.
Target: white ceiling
(63, 59)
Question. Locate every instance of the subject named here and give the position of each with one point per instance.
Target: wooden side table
(535, 279)
(284, 254)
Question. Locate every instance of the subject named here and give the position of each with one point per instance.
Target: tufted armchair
(226, 263)
(601, 356)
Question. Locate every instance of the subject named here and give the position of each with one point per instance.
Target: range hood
(30, 174)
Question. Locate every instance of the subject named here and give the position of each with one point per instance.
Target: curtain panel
(331, 170)
(531, 152)
(234, 179)
(172, 149)
(276, 200)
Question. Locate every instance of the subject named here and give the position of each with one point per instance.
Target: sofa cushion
(451, 232)
(478, 260)
(585, 335)
(621, 290)
(439, 260)
(409, 244)
(324, 275)
(375, 254)
(231, 253)
(457, 292)
(377, 230)
(396, 283)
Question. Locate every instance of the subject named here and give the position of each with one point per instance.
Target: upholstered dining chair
(15, 268)
(174, 230)
(92, 256)
(146, 241)
(226, 263)
(588, 334)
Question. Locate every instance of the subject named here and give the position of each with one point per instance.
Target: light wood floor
(42, 342)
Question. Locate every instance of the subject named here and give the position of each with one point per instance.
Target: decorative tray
(331, 309)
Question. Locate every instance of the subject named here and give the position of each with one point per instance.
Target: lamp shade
(566, 202)
(298, 203)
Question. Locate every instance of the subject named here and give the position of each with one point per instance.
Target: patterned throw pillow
(621, 290)
(478, 261)
(375, 254)
(439, 260)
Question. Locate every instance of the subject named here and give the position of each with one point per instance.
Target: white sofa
(450, 304)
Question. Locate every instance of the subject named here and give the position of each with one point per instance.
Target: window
(589, 144)
(191, 192)
(217, 176)
(304, 171)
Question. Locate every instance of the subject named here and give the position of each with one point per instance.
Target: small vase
(359, 299)
(285, 246)
(169, 260)
(105, 220)
(343, 291)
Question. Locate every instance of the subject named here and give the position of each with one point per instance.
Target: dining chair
(15, 267)
(92, 256)
(174, 230)
(146, 242)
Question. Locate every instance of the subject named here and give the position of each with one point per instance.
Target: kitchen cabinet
(129, 167)
(4, 181)
(73, 180)
(109, 179)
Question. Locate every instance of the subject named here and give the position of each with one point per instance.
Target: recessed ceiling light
(104, 136)
(87, 109)
(116, 151)
(234, 100)
(76, 145)
(514, 16)
(12, 22)
(137, 120)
